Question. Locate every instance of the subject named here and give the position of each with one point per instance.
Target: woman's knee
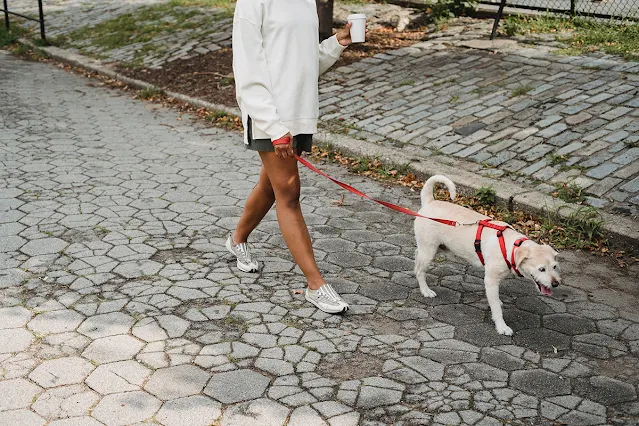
(288, 193)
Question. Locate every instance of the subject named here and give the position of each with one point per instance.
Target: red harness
(486, 223)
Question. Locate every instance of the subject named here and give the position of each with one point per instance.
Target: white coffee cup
(358, 30)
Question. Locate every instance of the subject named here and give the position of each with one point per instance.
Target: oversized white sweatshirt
(277, 61)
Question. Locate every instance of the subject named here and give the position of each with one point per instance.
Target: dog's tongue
(545, 290)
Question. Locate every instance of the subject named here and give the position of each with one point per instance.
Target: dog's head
(539, 263)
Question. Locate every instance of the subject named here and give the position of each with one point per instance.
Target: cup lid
(356, 16)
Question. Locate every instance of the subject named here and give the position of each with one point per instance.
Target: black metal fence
(604, 9)
(40, 19)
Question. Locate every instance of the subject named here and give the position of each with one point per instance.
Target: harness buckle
(477, 246)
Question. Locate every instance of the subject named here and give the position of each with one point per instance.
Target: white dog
(529, 259)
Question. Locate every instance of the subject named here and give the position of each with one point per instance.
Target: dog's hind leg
(423, 258)
(491, 281)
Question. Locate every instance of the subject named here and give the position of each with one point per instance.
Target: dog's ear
(555, 254)
(522, 254)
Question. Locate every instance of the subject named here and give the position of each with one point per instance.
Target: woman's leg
(285, 181)
(257, 206)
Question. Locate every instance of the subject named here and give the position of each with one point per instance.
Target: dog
(511, 253)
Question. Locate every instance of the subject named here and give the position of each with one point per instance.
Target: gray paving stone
(605, 390)
(112, 349)
(15, 340)
(177, 382)
(44, 246)
(56, 322)
(255, 413)
(14, 317)
(118, 377)
(193, 410)
(21, 417)
(540, 383)
(17, 393)
(106, 325)
(236, 386)
(61, 371)
(126, 408)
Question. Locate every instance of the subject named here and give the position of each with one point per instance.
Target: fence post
(6, 15)
(500, 12)
(44, 38)
(573, 7)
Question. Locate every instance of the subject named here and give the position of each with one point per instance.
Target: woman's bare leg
(285, 181)
(258, 204)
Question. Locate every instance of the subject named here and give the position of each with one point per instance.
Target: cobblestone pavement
(120, 306)
(525, 114)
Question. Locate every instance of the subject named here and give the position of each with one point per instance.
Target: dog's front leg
(491, 281)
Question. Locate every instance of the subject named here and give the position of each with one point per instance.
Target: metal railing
(602, 9)
(40, 20)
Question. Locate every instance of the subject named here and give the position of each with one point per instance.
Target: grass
(521, 90)
(557, 159)
(582, 35)
(224, 120)
(146, 23)
(570, 193)
(407, 83)
(486, 196)
(9, 37)
(581, 229)
(149, 93)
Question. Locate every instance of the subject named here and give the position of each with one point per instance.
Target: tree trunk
(325, 13)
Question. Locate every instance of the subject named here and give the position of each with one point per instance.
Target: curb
(622, 232)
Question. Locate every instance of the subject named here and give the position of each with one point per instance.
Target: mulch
(210, 77)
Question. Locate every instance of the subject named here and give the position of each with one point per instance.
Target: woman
(277, 63)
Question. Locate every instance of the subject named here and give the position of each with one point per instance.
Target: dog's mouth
(543, 289)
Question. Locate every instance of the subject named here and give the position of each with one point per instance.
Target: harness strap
(517, 244)
(486, 223)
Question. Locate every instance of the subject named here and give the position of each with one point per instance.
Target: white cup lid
(356, 16)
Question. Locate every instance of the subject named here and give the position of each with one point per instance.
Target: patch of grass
(570, 193)
(448, 80)
(366, 166)
(582, 35)
(9, 37)
(631, 144)
(557, 159)
(521, 90)
(486, 196)
(582, 229)
(225, 120)
(407, 83)
(454, 99)
(149, 93)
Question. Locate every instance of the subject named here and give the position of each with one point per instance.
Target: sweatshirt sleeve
(252, 80)
(329, 52)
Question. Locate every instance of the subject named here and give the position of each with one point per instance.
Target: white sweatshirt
(277, 62)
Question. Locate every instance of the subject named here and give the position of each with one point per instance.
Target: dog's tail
(429, 186)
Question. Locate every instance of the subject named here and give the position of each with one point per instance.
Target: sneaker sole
(341, 311)
(242, 267)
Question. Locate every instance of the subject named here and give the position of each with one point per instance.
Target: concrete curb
(622, 232)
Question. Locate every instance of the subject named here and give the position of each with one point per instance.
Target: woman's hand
(344, 35)
(285, 150)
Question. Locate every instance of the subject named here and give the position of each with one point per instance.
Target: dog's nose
(555, 283)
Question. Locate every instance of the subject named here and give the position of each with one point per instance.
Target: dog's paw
(504, 329)
(429, 293)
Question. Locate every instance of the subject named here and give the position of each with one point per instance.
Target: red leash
(361, 194)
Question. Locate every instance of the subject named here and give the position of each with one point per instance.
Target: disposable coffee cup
(358, 30)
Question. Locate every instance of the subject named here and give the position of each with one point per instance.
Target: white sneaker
(245, 262)
(326, 299)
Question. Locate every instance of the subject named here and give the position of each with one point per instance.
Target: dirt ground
(210, 77)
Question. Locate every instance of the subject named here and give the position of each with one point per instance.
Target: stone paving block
(126, 408)
(44, 246)
(14, 317)
(106, 325)
(112, 349)
(118, 377)
(258, 412)
(17, 393)
(236, 386)
(21, 417)
(61, 371)
(177, 382)
(56, 322)
(193, 411)
(15, 340)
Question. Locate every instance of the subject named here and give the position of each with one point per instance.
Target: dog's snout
(555, 283)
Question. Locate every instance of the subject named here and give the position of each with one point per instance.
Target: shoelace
(244, 252)
(328, 294)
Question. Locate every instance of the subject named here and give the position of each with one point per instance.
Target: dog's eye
(554, 267)
(542, 269)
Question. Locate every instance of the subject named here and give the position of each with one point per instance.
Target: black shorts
(301, 143)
